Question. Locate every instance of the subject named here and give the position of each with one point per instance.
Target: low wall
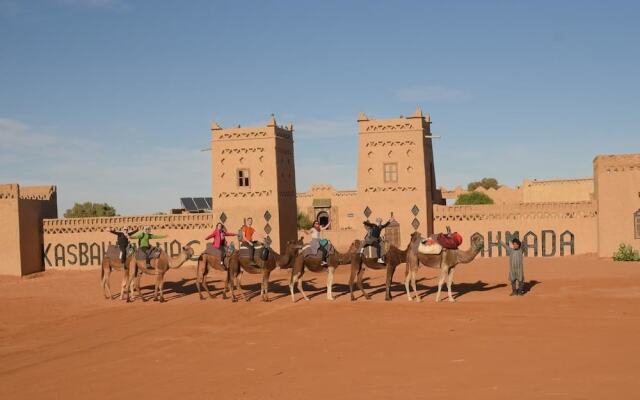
(81, 242)
(546, 229)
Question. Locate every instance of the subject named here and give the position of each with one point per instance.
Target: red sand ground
(573, 336)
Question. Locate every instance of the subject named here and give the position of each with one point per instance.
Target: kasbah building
(253, 175)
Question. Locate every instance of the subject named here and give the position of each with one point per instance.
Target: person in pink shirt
(219, 238)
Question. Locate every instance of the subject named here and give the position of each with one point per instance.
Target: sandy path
(574, 336)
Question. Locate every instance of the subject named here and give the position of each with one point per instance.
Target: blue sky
(111, 100)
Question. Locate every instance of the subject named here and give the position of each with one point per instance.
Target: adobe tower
(253, 175)
(396, 173)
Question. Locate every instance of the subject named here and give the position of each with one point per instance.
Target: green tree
(89, 209)
(304, 222)
(473, 198)
(487, 183)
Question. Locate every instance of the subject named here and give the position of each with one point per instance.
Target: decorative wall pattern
(243, 150)
(390, 189)
(242, 135)
(103, 224)
(391, 143)
(389, 127)
(262, 193)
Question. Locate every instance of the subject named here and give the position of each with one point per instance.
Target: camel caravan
(439, 251)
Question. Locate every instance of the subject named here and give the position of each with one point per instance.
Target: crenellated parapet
(617, 163)
(523, 211)
(104, 224)
(43, 193)
(9, 191)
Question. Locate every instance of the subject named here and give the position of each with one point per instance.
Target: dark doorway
(323, 218)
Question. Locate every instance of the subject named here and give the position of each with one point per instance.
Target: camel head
(477, 243)
(293, 246)
(188, 251)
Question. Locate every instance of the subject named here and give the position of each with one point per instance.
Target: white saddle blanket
(433, 248)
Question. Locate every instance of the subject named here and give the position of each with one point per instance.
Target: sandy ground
(575, 335)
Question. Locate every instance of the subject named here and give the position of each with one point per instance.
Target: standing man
(122, 241)
(373, 235)
(144, 239)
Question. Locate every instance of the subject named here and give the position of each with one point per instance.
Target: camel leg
(229, 285)
(199, 277)
(352, 277)
(292, 286)
(440, 282)
(304, 295)
(360, 286)
(205, 284)
(125, 284)
(156, 287)
(265, 284)
(449, 284)
(161, 286)
(330, 272)
(390, 271)
(407, 280)
(106, 288)
(413, 283)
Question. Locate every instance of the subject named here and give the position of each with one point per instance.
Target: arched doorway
(323, 218)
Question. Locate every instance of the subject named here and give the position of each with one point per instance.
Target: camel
(314, 264)
(446, 261)
(111, 261)
(160, 266)
(207, 262)
(264, 267)
(394, 257)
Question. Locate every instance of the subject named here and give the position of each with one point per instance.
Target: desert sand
(574, 335)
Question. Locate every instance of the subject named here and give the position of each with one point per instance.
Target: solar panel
(210, 202)
(201, 203)
(189, 204)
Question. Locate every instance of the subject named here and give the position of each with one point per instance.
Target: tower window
(243, 178)
(390, 172)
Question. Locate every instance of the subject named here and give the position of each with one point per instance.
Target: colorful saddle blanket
(308, 251)
(449, 241)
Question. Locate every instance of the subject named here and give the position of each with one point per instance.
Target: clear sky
(111, 100)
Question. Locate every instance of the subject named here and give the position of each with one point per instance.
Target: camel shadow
(460, 289)
(396, 288)
(252, 290)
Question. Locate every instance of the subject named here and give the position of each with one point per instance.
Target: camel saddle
(154, 252)
(113, 252)
(449, 241)
(260, 250)
(307, 251)
(370, 251)
(430, 246)
(212, 251)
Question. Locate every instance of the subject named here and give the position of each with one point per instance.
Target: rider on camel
(144, 239)
(373, 236)
(219, 239)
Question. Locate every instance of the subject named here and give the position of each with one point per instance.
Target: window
(637, 225)
(243, 178)
(390, 172)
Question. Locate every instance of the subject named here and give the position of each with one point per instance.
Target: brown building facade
(253, 175)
